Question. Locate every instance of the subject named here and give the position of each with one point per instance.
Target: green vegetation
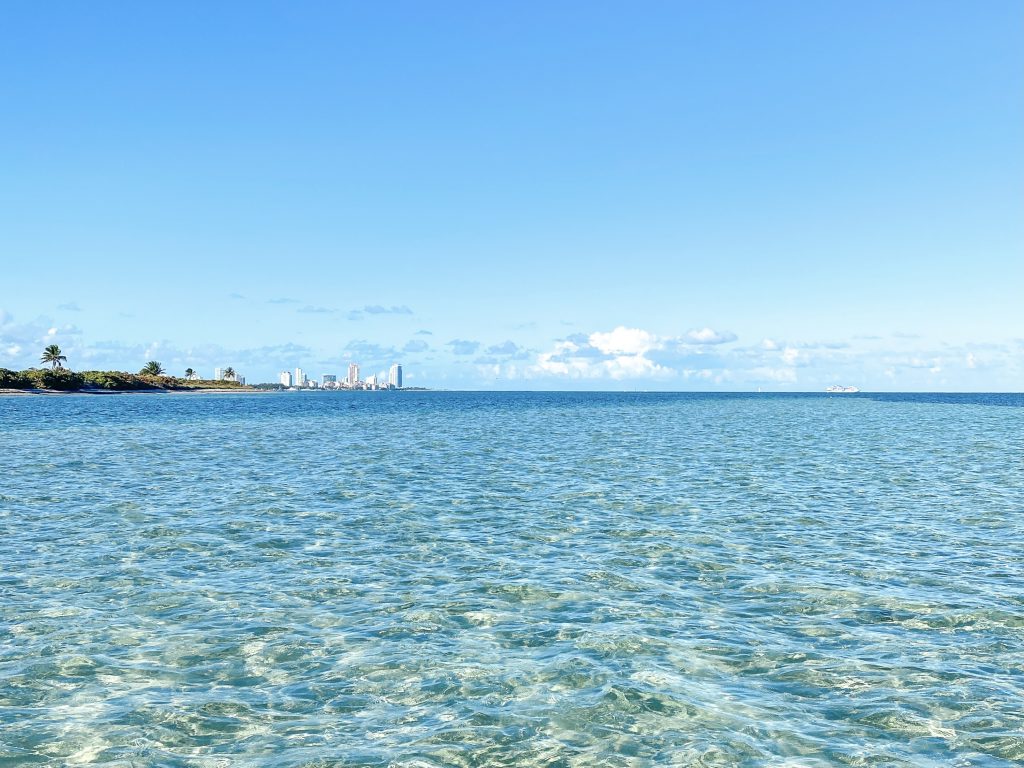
(63, 380)
(41, 378)
(229, 374)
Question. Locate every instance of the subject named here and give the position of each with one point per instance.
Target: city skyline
(297, 379)
(682, 208)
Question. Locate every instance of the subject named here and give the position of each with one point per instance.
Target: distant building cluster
(228, 374)
(392, 379)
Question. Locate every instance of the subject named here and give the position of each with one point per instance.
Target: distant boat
(835, 389)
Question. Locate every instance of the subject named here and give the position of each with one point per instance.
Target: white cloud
(624, 353)
(618, 368)
(709, 336)
(767, 373)
(546, 365)
(633, 366)
(790, 355)
(624, 341)
(768, 344)
(972, 361)
(21, 343)
(708, 374)
(618, 354)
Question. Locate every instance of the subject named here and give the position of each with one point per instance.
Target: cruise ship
(835, 389)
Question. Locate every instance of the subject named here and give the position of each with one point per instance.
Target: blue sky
(592, 195)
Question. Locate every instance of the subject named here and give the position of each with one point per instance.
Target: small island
(152, 378)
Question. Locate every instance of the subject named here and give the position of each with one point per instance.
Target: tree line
(152, 375)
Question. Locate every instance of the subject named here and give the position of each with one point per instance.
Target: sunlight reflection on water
(511, 579)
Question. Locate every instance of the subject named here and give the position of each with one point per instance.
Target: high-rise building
(328, 378)
(371, 382)
(285, 377)
(218, 374)
(353, 374)
(395, 376)
(300, 378)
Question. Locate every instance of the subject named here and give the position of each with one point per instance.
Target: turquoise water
(427, 579)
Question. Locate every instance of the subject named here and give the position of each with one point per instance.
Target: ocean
(512, 579)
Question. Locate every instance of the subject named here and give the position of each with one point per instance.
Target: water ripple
(431, 579)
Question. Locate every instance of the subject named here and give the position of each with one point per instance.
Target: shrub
(53, 378)
(13, 379)
(120, 381)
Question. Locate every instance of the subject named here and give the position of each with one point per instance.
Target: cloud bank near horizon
(700, 357)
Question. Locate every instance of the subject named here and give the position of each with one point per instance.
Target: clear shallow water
(421, 579)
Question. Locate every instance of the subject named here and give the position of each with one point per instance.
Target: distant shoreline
(58, 380)
(154, 391)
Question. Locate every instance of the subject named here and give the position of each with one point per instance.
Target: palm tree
(229, 373)
(152, 368)
(53, 356)
(190, 374)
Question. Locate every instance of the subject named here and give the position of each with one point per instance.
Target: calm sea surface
(428, 579)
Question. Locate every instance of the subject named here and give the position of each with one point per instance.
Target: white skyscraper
(353, 373)
(395, 376)
(218, 374)
(300, 378)
(285, 378)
